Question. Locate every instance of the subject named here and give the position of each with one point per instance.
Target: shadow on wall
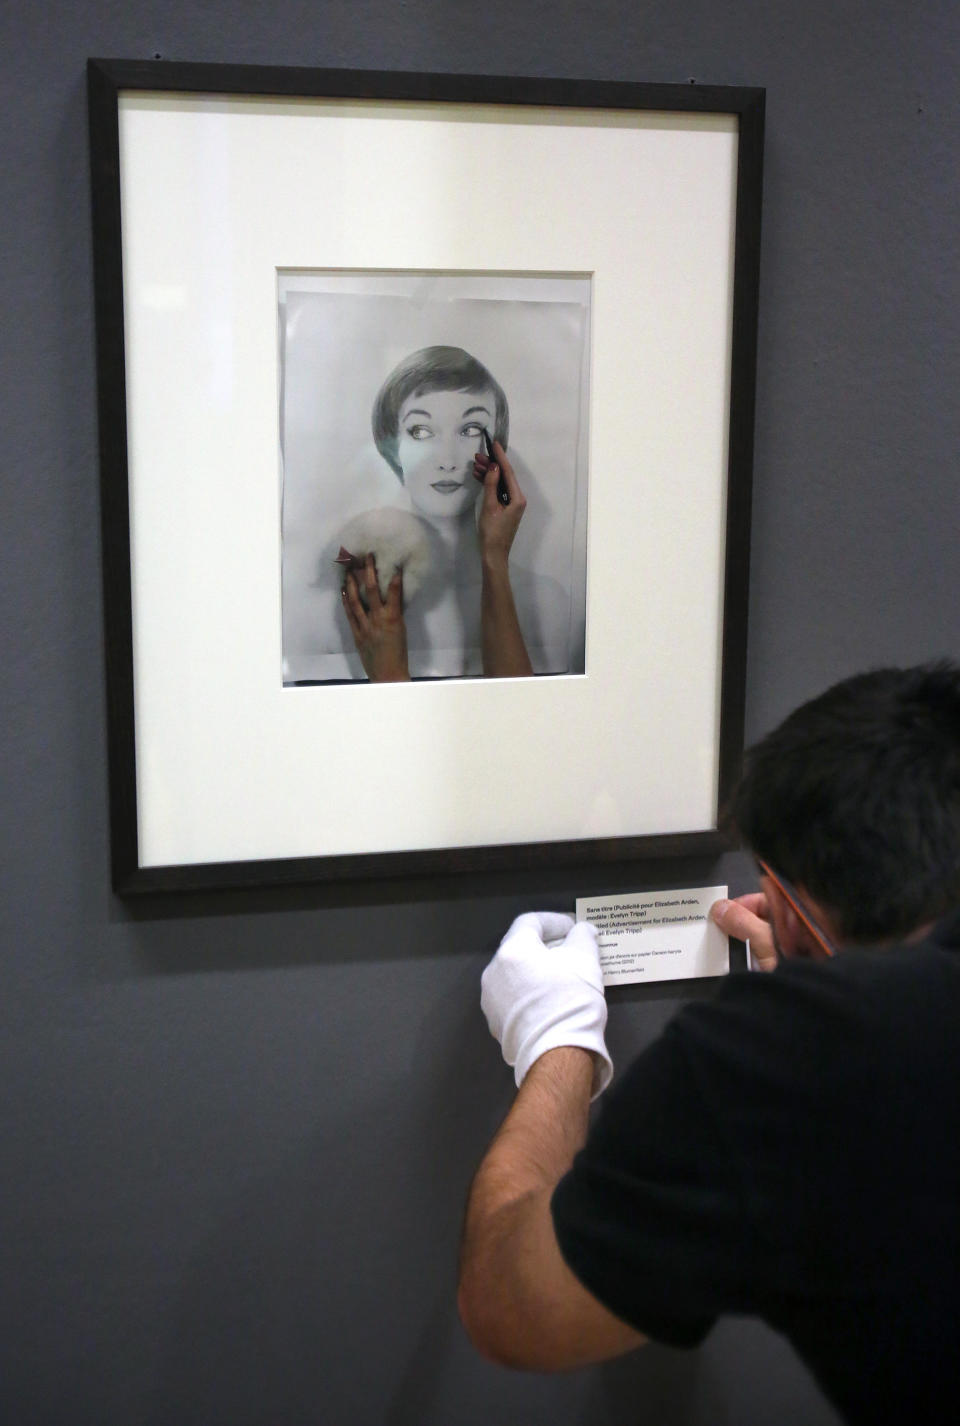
(326, 1293)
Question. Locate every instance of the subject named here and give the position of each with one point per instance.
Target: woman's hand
(748, 919)
(498, 524)
(378, 630)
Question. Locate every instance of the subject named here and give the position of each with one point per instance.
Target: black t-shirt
(791, 1151)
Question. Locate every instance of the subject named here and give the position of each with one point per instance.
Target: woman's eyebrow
(471, 409)
(416, 411)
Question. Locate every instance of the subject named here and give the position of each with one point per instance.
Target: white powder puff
(396, 539)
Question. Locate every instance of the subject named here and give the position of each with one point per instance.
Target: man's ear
(795, 939)
(790, 936)
(776, 906)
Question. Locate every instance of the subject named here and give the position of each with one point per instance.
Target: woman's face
(440, 432)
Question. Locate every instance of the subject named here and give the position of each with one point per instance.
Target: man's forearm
(520, 1303)
(508, 1204)
(539, 1137)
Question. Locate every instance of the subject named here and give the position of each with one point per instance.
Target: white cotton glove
(544, 989)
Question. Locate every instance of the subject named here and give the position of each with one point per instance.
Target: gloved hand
(544, 989)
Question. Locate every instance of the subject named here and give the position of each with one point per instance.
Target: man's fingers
(754, 902)
(746, 919)
(555, 925)
(736, 919)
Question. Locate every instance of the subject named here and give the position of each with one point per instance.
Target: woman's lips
(446, 487)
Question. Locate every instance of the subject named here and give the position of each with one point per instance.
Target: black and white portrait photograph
(398, 392)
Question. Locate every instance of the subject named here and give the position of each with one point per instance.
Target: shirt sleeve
(650, 1217)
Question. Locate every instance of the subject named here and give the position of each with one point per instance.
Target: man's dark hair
(856, 798)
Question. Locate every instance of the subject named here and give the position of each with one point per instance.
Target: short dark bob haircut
(856, 798)
(431, 369)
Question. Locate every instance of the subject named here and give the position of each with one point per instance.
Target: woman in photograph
(429, 423)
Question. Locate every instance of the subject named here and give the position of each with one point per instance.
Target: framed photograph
(426, 417)
(350, 344)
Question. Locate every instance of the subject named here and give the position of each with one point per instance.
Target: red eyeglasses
(790, 895)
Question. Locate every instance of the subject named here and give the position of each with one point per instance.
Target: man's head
(855, 799)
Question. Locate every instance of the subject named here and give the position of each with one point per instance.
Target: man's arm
(520, 1303)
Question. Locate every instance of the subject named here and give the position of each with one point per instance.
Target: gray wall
(237, 1133)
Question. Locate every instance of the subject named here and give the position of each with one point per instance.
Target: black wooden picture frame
(136, 871)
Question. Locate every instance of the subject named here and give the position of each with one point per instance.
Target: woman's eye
(419, 433)
(474, 430)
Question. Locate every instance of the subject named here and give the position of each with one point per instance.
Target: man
(790, 1149)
